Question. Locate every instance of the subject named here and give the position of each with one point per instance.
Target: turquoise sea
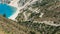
(7, 10)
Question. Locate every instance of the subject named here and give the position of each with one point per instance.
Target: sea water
(7, 10)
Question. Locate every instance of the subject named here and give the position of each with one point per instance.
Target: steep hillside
(40, 11)
(41, 15)
(12, 27)
(35, 17)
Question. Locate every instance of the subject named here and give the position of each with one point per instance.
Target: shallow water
(7, 10)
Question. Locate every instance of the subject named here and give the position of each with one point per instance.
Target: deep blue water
(7, 10)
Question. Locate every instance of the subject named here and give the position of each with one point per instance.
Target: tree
(4, 15)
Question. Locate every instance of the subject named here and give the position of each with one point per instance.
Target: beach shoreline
(14, 4)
